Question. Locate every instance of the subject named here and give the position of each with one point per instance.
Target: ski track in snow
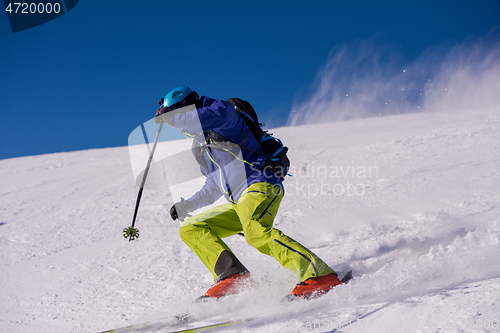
(420, 232)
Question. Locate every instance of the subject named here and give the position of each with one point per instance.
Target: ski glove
(164, 116)
(180, 209)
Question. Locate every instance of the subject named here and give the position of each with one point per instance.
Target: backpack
(277, 160)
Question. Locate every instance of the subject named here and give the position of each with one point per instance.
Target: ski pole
(132, 232)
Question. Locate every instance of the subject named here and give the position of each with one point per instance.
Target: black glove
(180, 209)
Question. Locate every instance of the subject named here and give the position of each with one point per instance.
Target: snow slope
(410, 203)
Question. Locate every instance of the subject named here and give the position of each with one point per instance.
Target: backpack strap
(216, 137)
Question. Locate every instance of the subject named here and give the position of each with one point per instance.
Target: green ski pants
(253, 214)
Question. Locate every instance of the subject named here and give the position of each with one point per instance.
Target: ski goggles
(173, 107)
(164, 109)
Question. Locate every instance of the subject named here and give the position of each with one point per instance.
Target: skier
(254, 199)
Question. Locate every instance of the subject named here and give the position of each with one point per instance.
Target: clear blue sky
(88, 78)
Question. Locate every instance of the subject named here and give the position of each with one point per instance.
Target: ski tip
(201, 299)
(289, 298)
(184, 318)
(347, 277)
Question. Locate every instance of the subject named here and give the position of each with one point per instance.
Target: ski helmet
(179, 97)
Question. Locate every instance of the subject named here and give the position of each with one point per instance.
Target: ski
(138, 328)
(158, 326)
(181, 319)
(212, 326)
(132, 328)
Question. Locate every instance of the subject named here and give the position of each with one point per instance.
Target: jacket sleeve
(208, 194)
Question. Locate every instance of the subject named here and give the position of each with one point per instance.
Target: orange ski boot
(317, 286)
(231, 285)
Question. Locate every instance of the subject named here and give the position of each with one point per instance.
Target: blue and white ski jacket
(229, 170)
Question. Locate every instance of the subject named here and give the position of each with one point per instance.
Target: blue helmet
(179, 97)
